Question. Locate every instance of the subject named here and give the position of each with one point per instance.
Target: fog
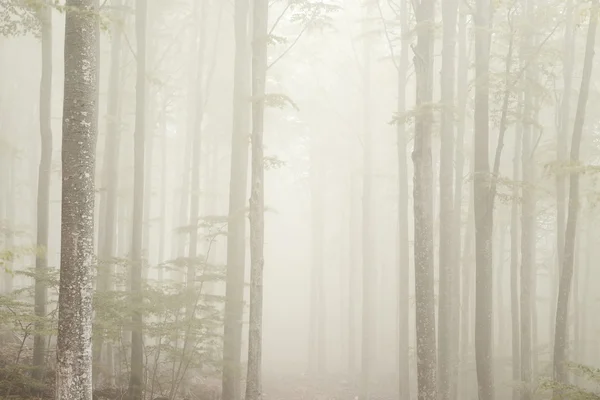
(425, 173)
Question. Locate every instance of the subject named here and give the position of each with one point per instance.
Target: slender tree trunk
(514, 263)
(562, 148)
(500, 338)
(483, 208)
(163, 190)
(369, 279)
(10, 216)
(43, 192)
(447, 262)
(560, 332)
(139, 148)
(236, 233)
(403, 194)
(352, 280)
(80, 131)
(110, 179)
(194, 226)
(527, 240)
(317, 350)
(257, 202)
(423, 205)
(461, 261)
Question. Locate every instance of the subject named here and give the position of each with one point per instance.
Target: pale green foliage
(17, 18)
(574, 392)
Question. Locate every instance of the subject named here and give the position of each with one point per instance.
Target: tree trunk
(139, 148)
(110, 179)
(483, 207)
(403, 195)
(447, 261)
(317, 350)
(352, 280)
(368, 320)
(193, 262)
(236, 232)
(564, 288)
(80, 131)
(562, 148)
(514, 264)
(423, 205)
(43, 192)
(527, 240)
(257, 217)
(461, 261)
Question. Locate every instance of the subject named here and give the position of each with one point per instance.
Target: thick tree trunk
(139, 148)
(564, 289)
(483, 207)
(43, 192)
(236, 232)
(80, 131)
(423, 205)
(447, 333)
(257, 202)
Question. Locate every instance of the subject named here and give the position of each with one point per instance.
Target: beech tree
(423, 198)
(260, 17)
(236, 232)
(447, 315)
(483, 206)
(80, 131)
(43, 195)
(135, 390)
(566, 276)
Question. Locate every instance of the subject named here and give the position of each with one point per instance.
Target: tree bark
(257, 202)
(43, 192)
(483, 207)
(137, 356)
(236, 232)
(316, 350)
(110, 178)
(514, 263)
(423, 205)
(447, 346)
(403, 245)
(564, 288)
(562, 148)
(80, 131)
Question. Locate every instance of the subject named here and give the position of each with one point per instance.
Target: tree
(447, 332)
(514, 263)
(404, 266)
(236, 232)
(260, 16)
(80, 130)
(423, 198)
(564, 288)
(137, 351)
(43, 199)
(110, 178)
(483, 206)
(562, 148)
(527, 221)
